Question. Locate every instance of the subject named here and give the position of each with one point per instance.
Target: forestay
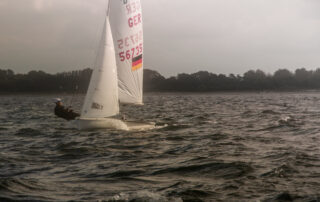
(102, 96)
(126, 20)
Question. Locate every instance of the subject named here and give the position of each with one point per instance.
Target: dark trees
(202, 81)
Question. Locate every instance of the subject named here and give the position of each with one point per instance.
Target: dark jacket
(65, 113)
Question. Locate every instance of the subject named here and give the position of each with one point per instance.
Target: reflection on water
(245, 147)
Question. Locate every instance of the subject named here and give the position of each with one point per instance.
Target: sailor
(62, 112)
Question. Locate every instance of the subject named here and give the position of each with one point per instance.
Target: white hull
(111, 123)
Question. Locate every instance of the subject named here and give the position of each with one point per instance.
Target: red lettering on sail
(135, 20)
(130, 40)
(133, 7)
(131, 53)
(129, 11)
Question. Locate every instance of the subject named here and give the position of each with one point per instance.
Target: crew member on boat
(62, 112)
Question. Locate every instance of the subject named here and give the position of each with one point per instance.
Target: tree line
(202, 81)
(42, 82)
(252, 80)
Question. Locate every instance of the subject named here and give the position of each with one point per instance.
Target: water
(216, 147)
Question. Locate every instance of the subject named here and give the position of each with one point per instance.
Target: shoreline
(169, 92)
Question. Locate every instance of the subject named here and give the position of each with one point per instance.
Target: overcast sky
(221, 36)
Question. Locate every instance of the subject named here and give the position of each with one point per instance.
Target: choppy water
(217, 147)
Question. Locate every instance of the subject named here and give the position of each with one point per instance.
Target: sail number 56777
(129, 54)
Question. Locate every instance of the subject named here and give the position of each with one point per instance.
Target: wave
(16, 199)
(218, 136)
(283, 171)
(284, 122)
(116, 174)
(143, 196)
(269, 111)
(29, 132)
(288, 121)
(218, 169)
(194, 195)
(3, 129)
(12, 184)
(73, 150)
(15, 189)
(175, 127)
(287, 196)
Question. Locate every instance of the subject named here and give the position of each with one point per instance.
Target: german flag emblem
(136, 63)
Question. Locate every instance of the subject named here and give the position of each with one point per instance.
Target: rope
(73, 95)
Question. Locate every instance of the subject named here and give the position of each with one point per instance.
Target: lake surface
(216, 147)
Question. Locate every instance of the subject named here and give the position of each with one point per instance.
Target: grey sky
(221, 36)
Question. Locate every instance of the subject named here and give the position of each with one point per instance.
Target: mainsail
(126, 20)
(102, 96)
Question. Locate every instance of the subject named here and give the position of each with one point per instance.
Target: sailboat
(117, 76)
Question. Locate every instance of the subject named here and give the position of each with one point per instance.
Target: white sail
(126, 20)
(102, 96)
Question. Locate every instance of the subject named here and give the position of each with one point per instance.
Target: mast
(108, 9)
